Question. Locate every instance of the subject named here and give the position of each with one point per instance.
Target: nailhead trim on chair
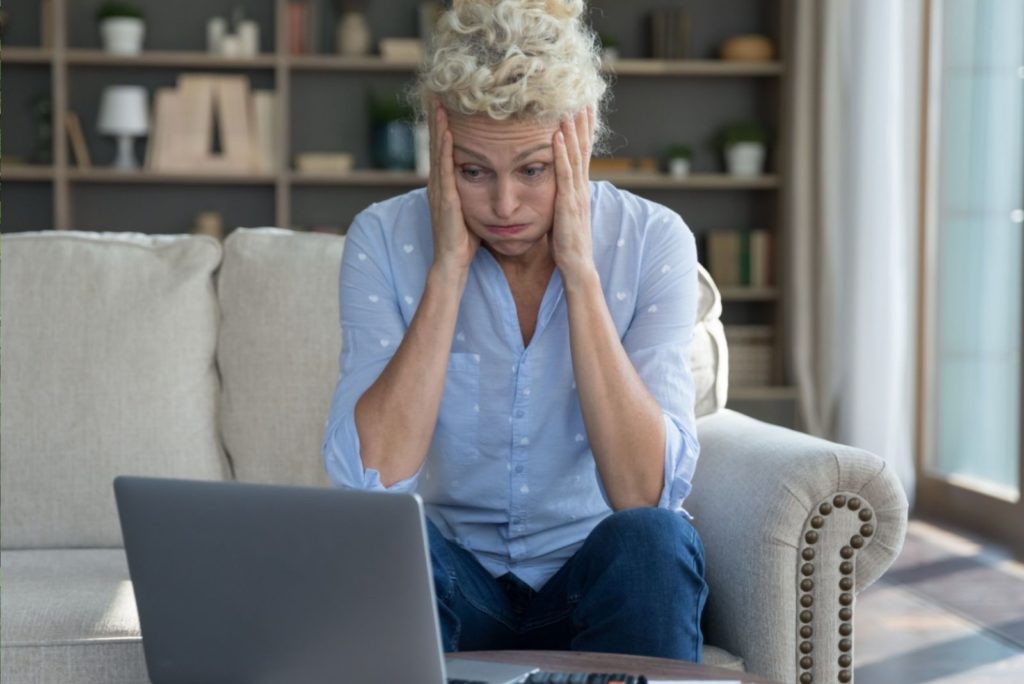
(846, 567)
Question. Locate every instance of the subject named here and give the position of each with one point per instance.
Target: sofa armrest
(793, 527)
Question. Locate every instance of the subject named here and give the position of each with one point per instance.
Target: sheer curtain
(852, 215)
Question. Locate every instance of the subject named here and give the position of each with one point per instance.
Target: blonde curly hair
(532, 60)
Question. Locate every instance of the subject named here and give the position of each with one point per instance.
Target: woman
(515, 350)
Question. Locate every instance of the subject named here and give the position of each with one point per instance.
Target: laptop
(243, 583)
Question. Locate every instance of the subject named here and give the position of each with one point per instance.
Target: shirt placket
(518, 465)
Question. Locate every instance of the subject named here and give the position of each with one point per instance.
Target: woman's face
(505, 176)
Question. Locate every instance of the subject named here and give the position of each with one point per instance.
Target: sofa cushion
(278, 352)
(69, 616)
(709, 355)
(107, 361)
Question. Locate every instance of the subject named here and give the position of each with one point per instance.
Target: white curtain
(852, 214)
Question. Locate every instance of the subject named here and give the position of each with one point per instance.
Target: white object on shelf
(353, 35)
(216, 29)
(745, 159)
(123, 35)
(231, 45)
(679, 167)
(124, 113)
(249, 36)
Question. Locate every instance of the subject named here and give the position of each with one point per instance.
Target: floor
(949, 611)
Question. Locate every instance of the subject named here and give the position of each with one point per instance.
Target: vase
(394, 146)
(353, 35)
(122, 35)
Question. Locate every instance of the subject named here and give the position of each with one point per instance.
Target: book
(761, 272)
(401, 49)
(724, 257)
(165, 152)
(233, 114)
(264, 118)
(740, 258)
(77, 139)
(298, 27)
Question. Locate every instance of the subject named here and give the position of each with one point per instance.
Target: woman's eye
(535, 171)
(471, 173)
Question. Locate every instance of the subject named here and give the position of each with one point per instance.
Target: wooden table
(573, 661)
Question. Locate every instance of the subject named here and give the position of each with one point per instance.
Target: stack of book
(204, 110)
(670, 33)
(740, 258)
(303, 27)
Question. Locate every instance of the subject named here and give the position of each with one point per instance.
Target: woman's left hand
(571, 242)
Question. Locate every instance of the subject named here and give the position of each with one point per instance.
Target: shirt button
(525, 441)
(519, 468)
(520, 413)
(526, 392)
(517, 521)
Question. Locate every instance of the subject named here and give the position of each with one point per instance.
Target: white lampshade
(124, 110)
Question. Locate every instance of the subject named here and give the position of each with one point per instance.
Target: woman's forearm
(395, 417)
(624, 422)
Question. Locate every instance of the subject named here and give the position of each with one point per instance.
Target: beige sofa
(179, 356)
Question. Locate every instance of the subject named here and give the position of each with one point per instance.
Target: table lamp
(124, 113)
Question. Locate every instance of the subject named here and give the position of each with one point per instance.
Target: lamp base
(125, 160)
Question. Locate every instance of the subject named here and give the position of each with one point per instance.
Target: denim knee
(647, 534)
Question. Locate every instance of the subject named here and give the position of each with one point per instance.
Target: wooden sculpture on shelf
(204, 109)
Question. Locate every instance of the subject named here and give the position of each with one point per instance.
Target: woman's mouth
(505, 230)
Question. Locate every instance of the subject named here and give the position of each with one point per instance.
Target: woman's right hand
(454, 244)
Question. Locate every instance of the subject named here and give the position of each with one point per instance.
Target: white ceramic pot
(123, 35)
(679, 167)
(745, 159)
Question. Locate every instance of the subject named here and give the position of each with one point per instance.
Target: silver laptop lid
(257, 583)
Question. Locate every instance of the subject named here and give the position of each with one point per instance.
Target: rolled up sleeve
(658, 343)
(371, 330)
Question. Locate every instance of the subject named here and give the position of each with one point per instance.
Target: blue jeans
(636, 586)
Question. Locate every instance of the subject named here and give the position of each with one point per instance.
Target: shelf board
(749, 294)
(169, 59)
(696, 181)
(361, 178)
(338, 63)
(27, 55)
(691, 67)
(755, 393)
(26, 172)
(108, 175)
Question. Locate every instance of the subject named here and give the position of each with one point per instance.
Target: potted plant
(744, 148)
(678, 157)
(392, 132)
(609, 47)
(122, 27)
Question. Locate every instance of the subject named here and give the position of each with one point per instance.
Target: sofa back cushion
(709, 355)
(107, 352)
(278, 352)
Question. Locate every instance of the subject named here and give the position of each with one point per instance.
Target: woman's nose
(504, 200)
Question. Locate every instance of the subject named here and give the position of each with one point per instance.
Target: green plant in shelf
(114, 9)
(746, 132)
(387, 108)
(678, 151)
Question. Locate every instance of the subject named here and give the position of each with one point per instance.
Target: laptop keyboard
(570, 678)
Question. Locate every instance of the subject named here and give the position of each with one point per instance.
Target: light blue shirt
(510, 475)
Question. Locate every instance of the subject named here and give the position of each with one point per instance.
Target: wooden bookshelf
(168, 60)
(26, 55)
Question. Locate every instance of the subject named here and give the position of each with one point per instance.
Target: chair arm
(793, 527)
